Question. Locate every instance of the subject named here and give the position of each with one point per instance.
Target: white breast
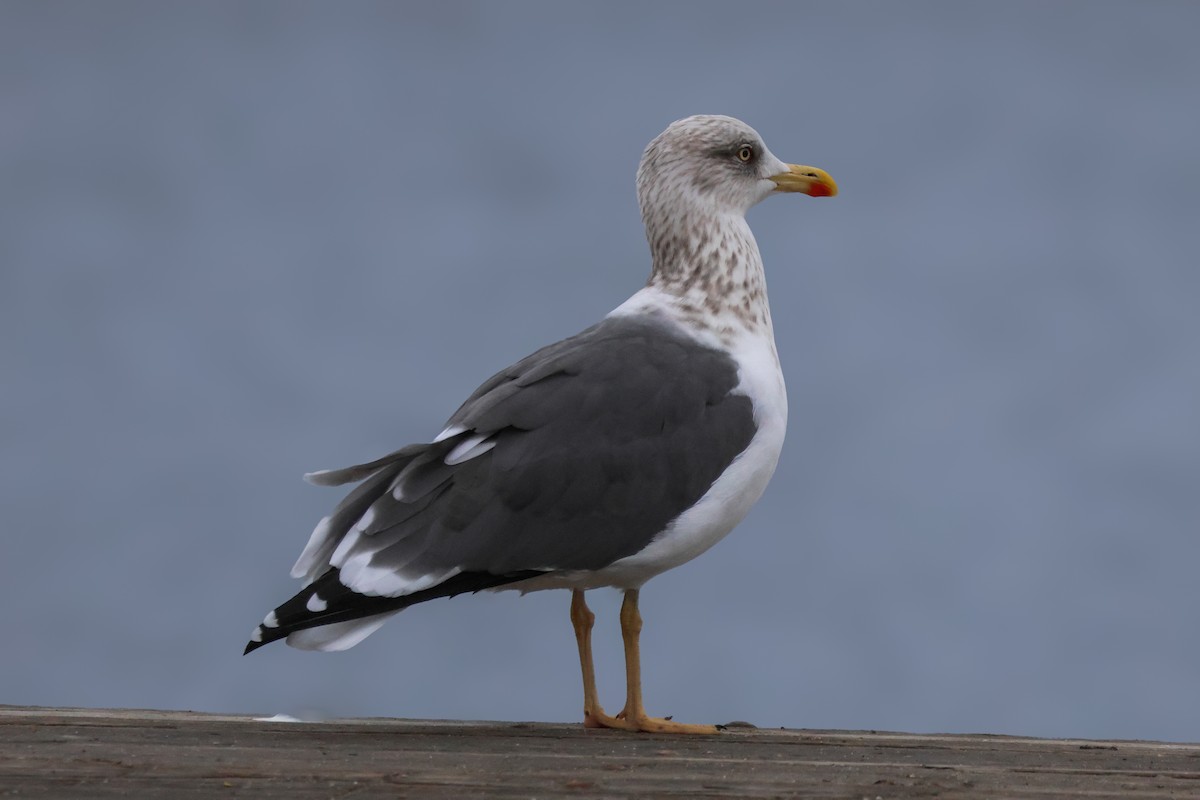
(732, 495)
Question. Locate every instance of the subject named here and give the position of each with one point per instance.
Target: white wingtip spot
(315, 477)
(398, 488)
(270, 621)
(366, 520)
(344, 547)
(257, 635)
(357, 573)
(469, 448)
(453, 430)
(315, 604)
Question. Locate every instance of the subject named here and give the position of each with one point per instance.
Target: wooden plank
(69, 753)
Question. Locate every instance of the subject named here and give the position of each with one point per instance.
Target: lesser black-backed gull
(601, 460)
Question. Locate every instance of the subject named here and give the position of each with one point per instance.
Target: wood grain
(80, 753)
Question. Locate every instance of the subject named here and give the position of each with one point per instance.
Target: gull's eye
(745, 153)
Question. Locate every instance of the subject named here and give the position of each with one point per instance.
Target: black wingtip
(258, 640)
(344, 604)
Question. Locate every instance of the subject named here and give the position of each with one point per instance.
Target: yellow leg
(633, 717)
(582, 619)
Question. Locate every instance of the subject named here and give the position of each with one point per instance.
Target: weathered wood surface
(79, 753)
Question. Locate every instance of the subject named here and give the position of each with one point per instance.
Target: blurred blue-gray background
(240, 241)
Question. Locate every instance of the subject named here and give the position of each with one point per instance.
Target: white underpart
(339, 635)
(468, 448)
(315, 604)
(732, 495)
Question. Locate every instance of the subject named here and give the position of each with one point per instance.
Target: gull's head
(720, 165)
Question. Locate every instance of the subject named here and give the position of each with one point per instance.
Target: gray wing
(597, 444)
(570, 459)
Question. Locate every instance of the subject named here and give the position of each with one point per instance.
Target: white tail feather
(339, 635)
